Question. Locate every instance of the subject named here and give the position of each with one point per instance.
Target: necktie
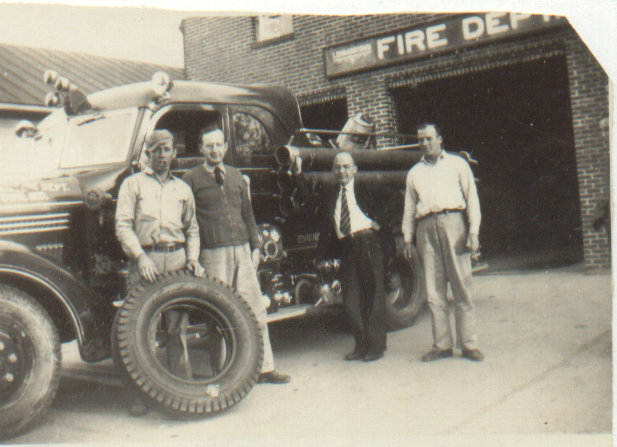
(345, 225)
(219, 176)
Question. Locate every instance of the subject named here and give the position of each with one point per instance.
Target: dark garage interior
(516, 122)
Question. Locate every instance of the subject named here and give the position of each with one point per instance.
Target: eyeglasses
(342, 167)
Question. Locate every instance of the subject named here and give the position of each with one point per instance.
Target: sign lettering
(446, 35)
(308, 238)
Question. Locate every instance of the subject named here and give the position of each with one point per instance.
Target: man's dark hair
(210, 127)
(425, 124)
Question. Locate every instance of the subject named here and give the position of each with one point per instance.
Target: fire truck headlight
(275, 235)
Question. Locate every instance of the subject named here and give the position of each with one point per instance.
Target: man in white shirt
(442, 211)
(351, 232)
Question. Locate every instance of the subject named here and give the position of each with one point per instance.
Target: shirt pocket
(148, 205)
(172, 205)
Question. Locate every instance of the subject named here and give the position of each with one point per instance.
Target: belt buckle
(163, 248)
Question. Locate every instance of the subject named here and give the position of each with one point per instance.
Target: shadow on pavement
(85, 396)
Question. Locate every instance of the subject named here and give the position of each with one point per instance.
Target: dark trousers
(364, 296)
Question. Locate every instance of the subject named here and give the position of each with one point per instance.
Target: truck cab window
(251, 135)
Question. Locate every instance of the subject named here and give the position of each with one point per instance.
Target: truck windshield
(38, 154)
(100, 138)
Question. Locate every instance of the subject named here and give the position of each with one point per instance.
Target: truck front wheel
(189, 346)
(29, 361)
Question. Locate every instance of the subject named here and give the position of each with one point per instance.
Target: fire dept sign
(434, 37)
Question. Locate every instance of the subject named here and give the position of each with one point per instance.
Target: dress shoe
(372, 356)
(437, 354)
(273, 377)
(138, 408)
(473, 354)
(354, 356)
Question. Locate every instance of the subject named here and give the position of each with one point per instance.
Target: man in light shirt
(350, 232)
(442, 212)
(157, 227)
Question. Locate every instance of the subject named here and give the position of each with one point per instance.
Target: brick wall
(222, 49)
(589, 102)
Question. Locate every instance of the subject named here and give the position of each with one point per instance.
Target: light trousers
(221, 263)
(441, 240)
(175, 321)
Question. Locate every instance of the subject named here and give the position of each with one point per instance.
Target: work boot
(437, 354)
(473, 354)
(137, 408)
(273, 377)
(355, 355)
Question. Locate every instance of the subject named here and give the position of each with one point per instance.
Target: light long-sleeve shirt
(150, 212)
(446, 185)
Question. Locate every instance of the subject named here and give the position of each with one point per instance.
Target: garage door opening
(516, 121)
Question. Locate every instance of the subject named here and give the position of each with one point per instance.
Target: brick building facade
(526, 104)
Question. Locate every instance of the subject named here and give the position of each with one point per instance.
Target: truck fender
(67, 295)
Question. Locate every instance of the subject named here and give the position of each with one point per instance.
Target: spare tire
(29, 361)
(211, 366)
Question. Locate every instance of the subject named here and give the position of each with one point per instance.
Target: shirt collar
(349, 186)
(440, 156)
(149, 171)
(211, 170)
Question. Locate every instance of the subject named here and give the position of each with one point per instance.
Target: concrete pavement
(546, 380)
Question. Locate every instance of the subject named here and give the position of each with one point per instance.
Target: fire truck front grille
(51, 250)
(39, 223)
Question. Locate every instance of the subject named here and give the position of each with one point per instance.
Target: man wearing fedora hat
(157, 227)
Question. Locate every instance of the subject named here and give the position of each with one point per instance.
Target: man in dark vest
(229, 239)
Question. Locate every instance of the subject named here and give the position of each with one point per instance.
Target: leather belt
(360, 233)
(163, 248)
(446, 211)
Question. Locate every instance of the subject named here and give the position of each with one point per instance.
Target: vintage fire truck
(62, 269)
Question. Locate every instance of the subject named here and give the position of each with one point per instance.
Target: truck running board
(289, 312)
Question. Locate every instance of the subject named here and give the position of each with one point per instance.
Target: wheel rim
(208, 340)
(400, 278)
(16, 359)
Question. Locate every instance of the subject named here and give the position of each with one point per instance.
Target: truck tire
(404, 291)
(223, 343)
(29, 361)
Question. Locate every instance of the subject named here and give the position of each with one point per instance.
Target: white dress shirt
(358, 219)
